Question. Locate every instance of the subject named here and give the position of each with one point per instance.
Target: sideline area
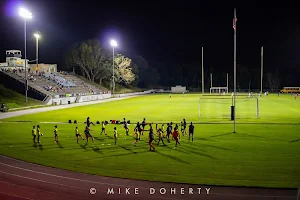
(59, 107)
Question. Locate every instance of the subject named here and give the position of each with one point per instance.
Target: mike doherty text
(160, 191)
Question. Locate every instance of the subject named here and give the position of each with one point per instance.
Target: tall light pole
(262, 69)
(26, 15)
(37, 35)
(114, 44)
(227, 82)
(202, 74)
(234, 70)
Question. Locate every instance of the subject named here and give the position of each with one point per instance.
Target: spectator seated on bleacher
(3, 108)
(59, 80)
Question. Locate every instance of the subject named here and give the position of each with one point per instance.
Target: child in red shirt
(175, 136)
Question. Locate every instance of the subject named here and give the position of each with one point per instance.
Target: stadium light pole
(114, 44)
(234, 70)
(202, 74)
(37, 35)
(227, 82)
(211, 84)
(262, 69)
(26, 15)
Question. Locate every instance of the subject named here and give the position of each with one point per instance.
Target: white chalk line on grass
(35, 188)
(118, 185)
(53, 108)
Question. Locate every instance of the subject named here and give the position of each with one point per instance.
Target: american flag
(234, 23)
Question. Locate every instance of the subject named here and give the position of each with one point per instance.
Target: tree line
(95, 63)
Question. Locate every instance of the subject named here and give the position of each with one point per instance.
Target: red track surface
(21, 180)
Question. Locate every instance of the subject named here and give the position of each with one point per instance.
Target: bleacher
(59, 80)
(57, 84)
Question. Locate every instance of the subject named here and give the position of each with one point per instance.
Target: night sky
(171, 32)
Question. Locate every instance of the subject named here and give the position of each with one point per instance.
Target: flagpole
(262, 71)
(234, 69)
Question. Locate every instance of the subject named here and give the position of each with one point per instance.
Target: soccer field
(264, 152)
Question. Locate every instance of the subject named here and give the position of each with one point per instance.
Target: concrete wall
(62, 101)
(78, 99)
(92, 97)
(133, 94)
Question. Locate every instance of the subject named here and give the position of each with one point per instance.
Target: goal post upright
(211, 82)
(257, 108)
(199, 108)
(216, 107)
(227, 82)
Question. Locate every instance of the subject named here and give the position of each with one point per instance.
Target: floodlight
(25, 13)
(113, 43)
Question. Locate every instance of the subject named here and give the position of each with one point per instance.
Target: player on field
(175, 136)
(55, 134)
(88, 122)
(77, 134)
(88, 134)
(103, 128)
(126, 126)
(115, 135)
(143, 125)
(170, 95)
(184, 126)
(38, 130)
(162, 130)
(151, 138)
(160, 135)
(191, 131)
(177, 128)
(182, 129)
(33, 133)
(136, 135)
(138, 129)
(169, 130)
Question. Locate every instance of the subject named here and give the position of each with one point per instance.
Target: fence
(240, 90)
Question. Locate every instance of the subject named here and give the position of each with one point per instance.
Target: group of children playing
(138, 131)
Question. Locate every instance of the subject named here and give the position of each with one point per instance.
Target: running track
(20, 180)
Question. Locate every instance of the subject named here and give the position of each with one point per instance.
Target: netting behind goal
(220, 108)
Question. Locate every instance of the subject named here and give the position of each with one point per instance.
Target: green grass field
(264, 152)
(13, 99)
